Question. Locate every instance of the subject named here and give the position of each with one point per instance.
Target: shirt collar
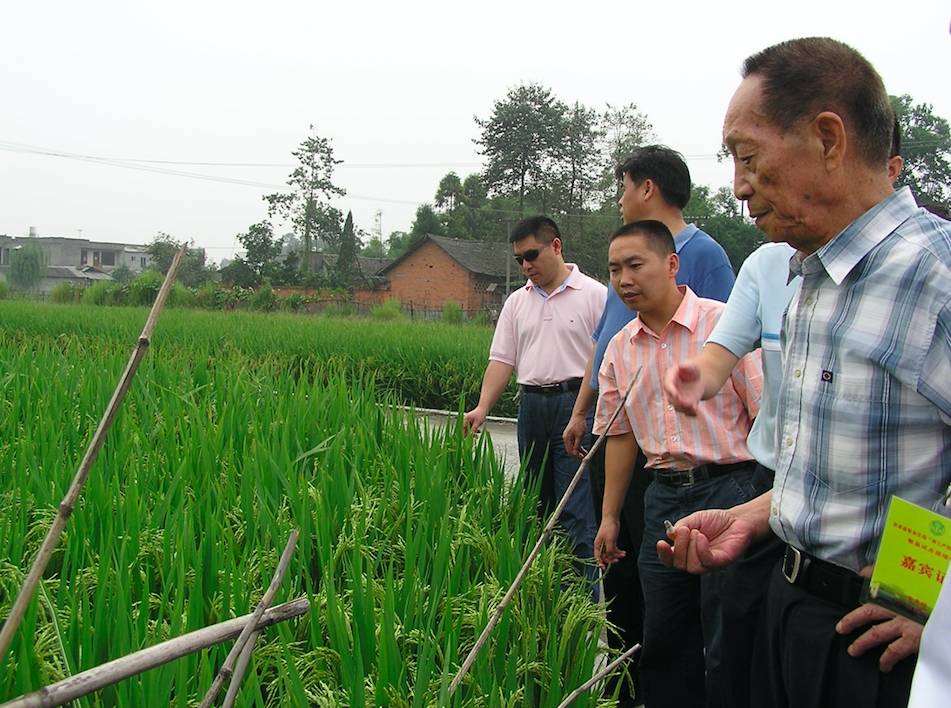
(574, 280)
(855, 241)
(687, 314)
(687, 233)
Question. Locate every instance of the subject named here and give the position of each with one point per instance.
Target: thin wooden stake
(227, 668)
(76, 487)
(546, 534)
(573, 696)
(120, 669)
(235, 685)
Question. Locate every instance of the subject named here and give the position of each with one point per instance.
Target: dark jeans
(542, 418)
(805, 664)
(622, 582)
(680, 662)
(743, 594)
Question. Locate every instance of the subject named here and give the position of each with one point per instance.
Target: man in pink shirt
(697, 462)
(544, 336)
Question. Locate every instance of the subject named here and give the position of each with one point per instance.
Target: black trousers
(804, 663)
(622, 583)
(743, 597)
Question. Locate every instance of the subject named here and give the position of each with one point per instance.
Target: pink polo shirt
(547, 338)
(669, 439)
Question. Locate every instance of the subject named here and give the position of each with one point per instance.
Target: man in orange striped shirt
(697, 462)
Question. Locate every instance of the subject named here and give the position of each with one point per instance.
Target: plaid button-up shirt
(865, 404)
(672, 440)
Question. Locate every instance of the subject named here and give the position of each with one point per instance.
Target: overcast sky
(394, 86)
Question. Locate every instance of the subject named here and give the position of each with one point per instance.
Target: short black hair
(541, 227)
(664, 167)
(803, 77)
(656, 232)
(895, 149)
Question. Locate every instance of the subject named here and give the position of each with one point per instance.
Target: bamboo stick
(119, 669)
(573, 696)
(227, 668)
(235, 685)
(75, 489)
(546, 534)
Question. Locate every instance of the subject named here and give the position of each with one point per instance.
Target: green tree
(122, 274)
(719, 214)
(193, 270)
(27, 266)
(348, 268)
(427, 221)
(624, 129)
(306, 206)
(449, 193)
(261, 248)
(374, 248)
(926, 150)
(239, 274)
(520, 138)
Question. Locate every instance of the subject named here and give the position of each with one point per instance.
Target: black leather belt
(560, 387)
(821, 578)
(685, 478)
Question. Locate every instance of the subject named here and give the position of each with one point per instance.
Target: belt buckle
(691, 479)
(793, 564)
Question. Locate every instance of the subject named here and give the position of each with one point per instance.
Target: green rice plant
(230, 437)
(451, 312)
(66, 293)
(98, 293)
(387, 310)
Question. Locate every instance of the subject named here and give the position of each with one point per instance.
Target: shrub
(387, 310)
(181, 296)
(339, 309)
(99, 293)
(4, 290)
(66, 293)
(264, 299)
(210, 295)
(143, 289)
(451, 312)
(294, 303)
(480, 318)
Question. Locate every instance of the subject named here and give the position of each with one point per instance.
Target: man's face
(779, 173)
(640, 275)
(545, 267)
(632, 201)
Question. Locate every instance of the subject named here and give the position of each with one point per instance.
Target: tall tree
(519, 139)
(449, 193)
(624, 129)
(348, 268)
(926, 149)
(306, 206)
(27, 266)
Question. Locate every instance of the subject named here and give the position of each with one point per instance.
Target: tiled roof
(481, 257)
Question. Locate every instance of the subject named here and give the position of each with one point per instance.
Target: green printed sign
(912, 560)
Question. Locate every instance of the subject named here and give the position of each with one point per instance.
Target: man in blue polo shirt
(656, 185)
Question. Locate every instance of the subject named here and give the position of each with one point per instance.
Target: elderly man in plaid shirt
(865, 402)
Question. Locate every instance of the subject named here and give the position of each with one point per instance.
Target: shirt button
(670, 408)
(663, 346)
(809, 300)
(788, 442)
(673, 438)
(798, 373)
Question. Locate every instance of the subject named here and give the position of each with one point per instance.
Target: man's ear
(829, 129)
(673, 264)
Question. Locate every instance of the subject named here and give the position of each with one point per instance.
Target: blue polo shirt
(704, 268)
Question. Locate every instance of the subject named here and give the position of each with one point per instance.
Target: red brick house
(437, 269)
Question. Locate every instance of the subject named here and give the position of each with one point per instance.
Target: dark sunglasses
(530, 255)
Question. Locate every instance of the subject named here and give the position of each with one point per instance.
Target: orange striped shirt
(672, 440)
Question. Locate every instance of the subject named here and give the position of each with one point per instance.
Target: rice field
(238, 428)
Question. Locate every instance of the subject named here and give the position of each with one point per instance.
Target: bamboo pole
(119, 669)
(235, 685)
(75, 489)
(573, 696)
(546, 534)
(227, 668)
